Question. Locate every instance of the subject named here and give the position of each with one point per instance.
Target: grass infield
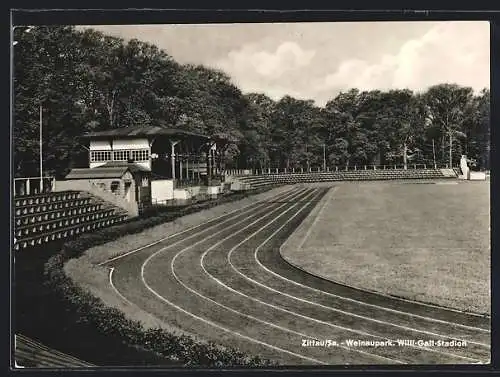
(421, 241)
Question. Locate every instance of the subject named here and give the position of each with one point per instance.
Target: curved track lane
(226, 281)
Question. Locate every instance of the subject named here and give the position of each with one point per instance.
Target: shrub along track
(226, 281)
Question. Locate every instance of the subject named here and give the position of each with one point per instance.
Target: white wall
(105, 145)
(97, 164)
(130, 144)
(162, 189)
(181, 194)
(213, 190)
(91, 187)
(100, 145)
(120, 144)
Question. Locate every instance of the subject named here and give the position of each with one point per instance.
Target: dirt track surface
(226, 281)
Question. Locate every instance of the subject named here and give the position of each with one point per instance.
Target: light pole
(28, 29)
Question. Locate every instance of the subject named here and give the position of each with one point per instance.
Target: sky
(318, 60)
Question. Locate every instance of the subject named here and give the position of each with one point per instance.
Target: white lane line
(420, 303)
(303, 335)
(111, 270)
(228, 330)
(257, 204)
(116, 289)
(368, 304)
(260, 210)
(351, 300)
(329, 307)
(397, 299)
(297, 314)
(271, 305)
(204, 320)
(328, 197)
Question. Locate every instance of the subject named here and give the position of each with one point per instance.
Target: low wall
(239, 186)
(182, 194)
(161, 190)
(194, 190)
(213, 190)
(88, 186)
(477, 176)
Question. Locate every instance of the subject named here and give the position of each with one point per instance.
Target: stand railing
(334, 168)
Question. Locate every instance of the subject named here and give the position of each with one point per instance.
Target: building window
(99, 156)
(115, 187)
(140, 155)
(120, 155)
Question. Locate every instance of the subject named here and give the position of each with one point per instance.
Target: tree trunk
(405, 156)
(442, 149)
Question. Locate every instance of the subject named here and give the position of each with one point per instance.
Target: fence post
(27, 186)
(425, 166)
(395, 167)
(374, 167)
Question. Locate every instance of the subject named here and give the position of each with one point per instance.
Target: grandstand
(364, 174)
(84, 205)
(129, 170)
(46, 217)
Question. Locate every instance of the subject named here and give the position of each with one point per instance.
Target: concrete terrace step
(61, 215)
(349, 175)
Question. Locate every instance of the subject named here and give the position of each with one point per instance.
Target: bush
(153, 346)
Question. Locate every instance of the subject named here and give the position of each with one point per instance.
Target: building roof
(134, 132)
(133, 167)
(113, 169)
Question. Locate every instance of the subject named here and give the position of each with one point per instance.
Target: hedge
(157, 346)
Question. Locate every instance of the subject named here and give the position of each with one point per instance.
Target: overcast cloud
(317, 60)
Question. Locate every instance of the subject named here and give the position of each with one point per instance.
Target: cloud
(287, 57)
(275, 72)
(317, 60)
(456, 52)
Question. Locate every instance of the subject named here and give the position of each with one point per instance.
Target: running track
(225, 280)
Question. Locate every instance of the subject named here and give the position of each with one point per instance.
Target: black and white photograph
(250, 195)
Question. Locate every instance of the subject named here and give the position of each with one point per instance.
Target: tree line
(84, 80)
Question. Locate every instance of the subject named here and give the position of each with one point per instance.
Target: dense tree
(449, 107)
(84, 80)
